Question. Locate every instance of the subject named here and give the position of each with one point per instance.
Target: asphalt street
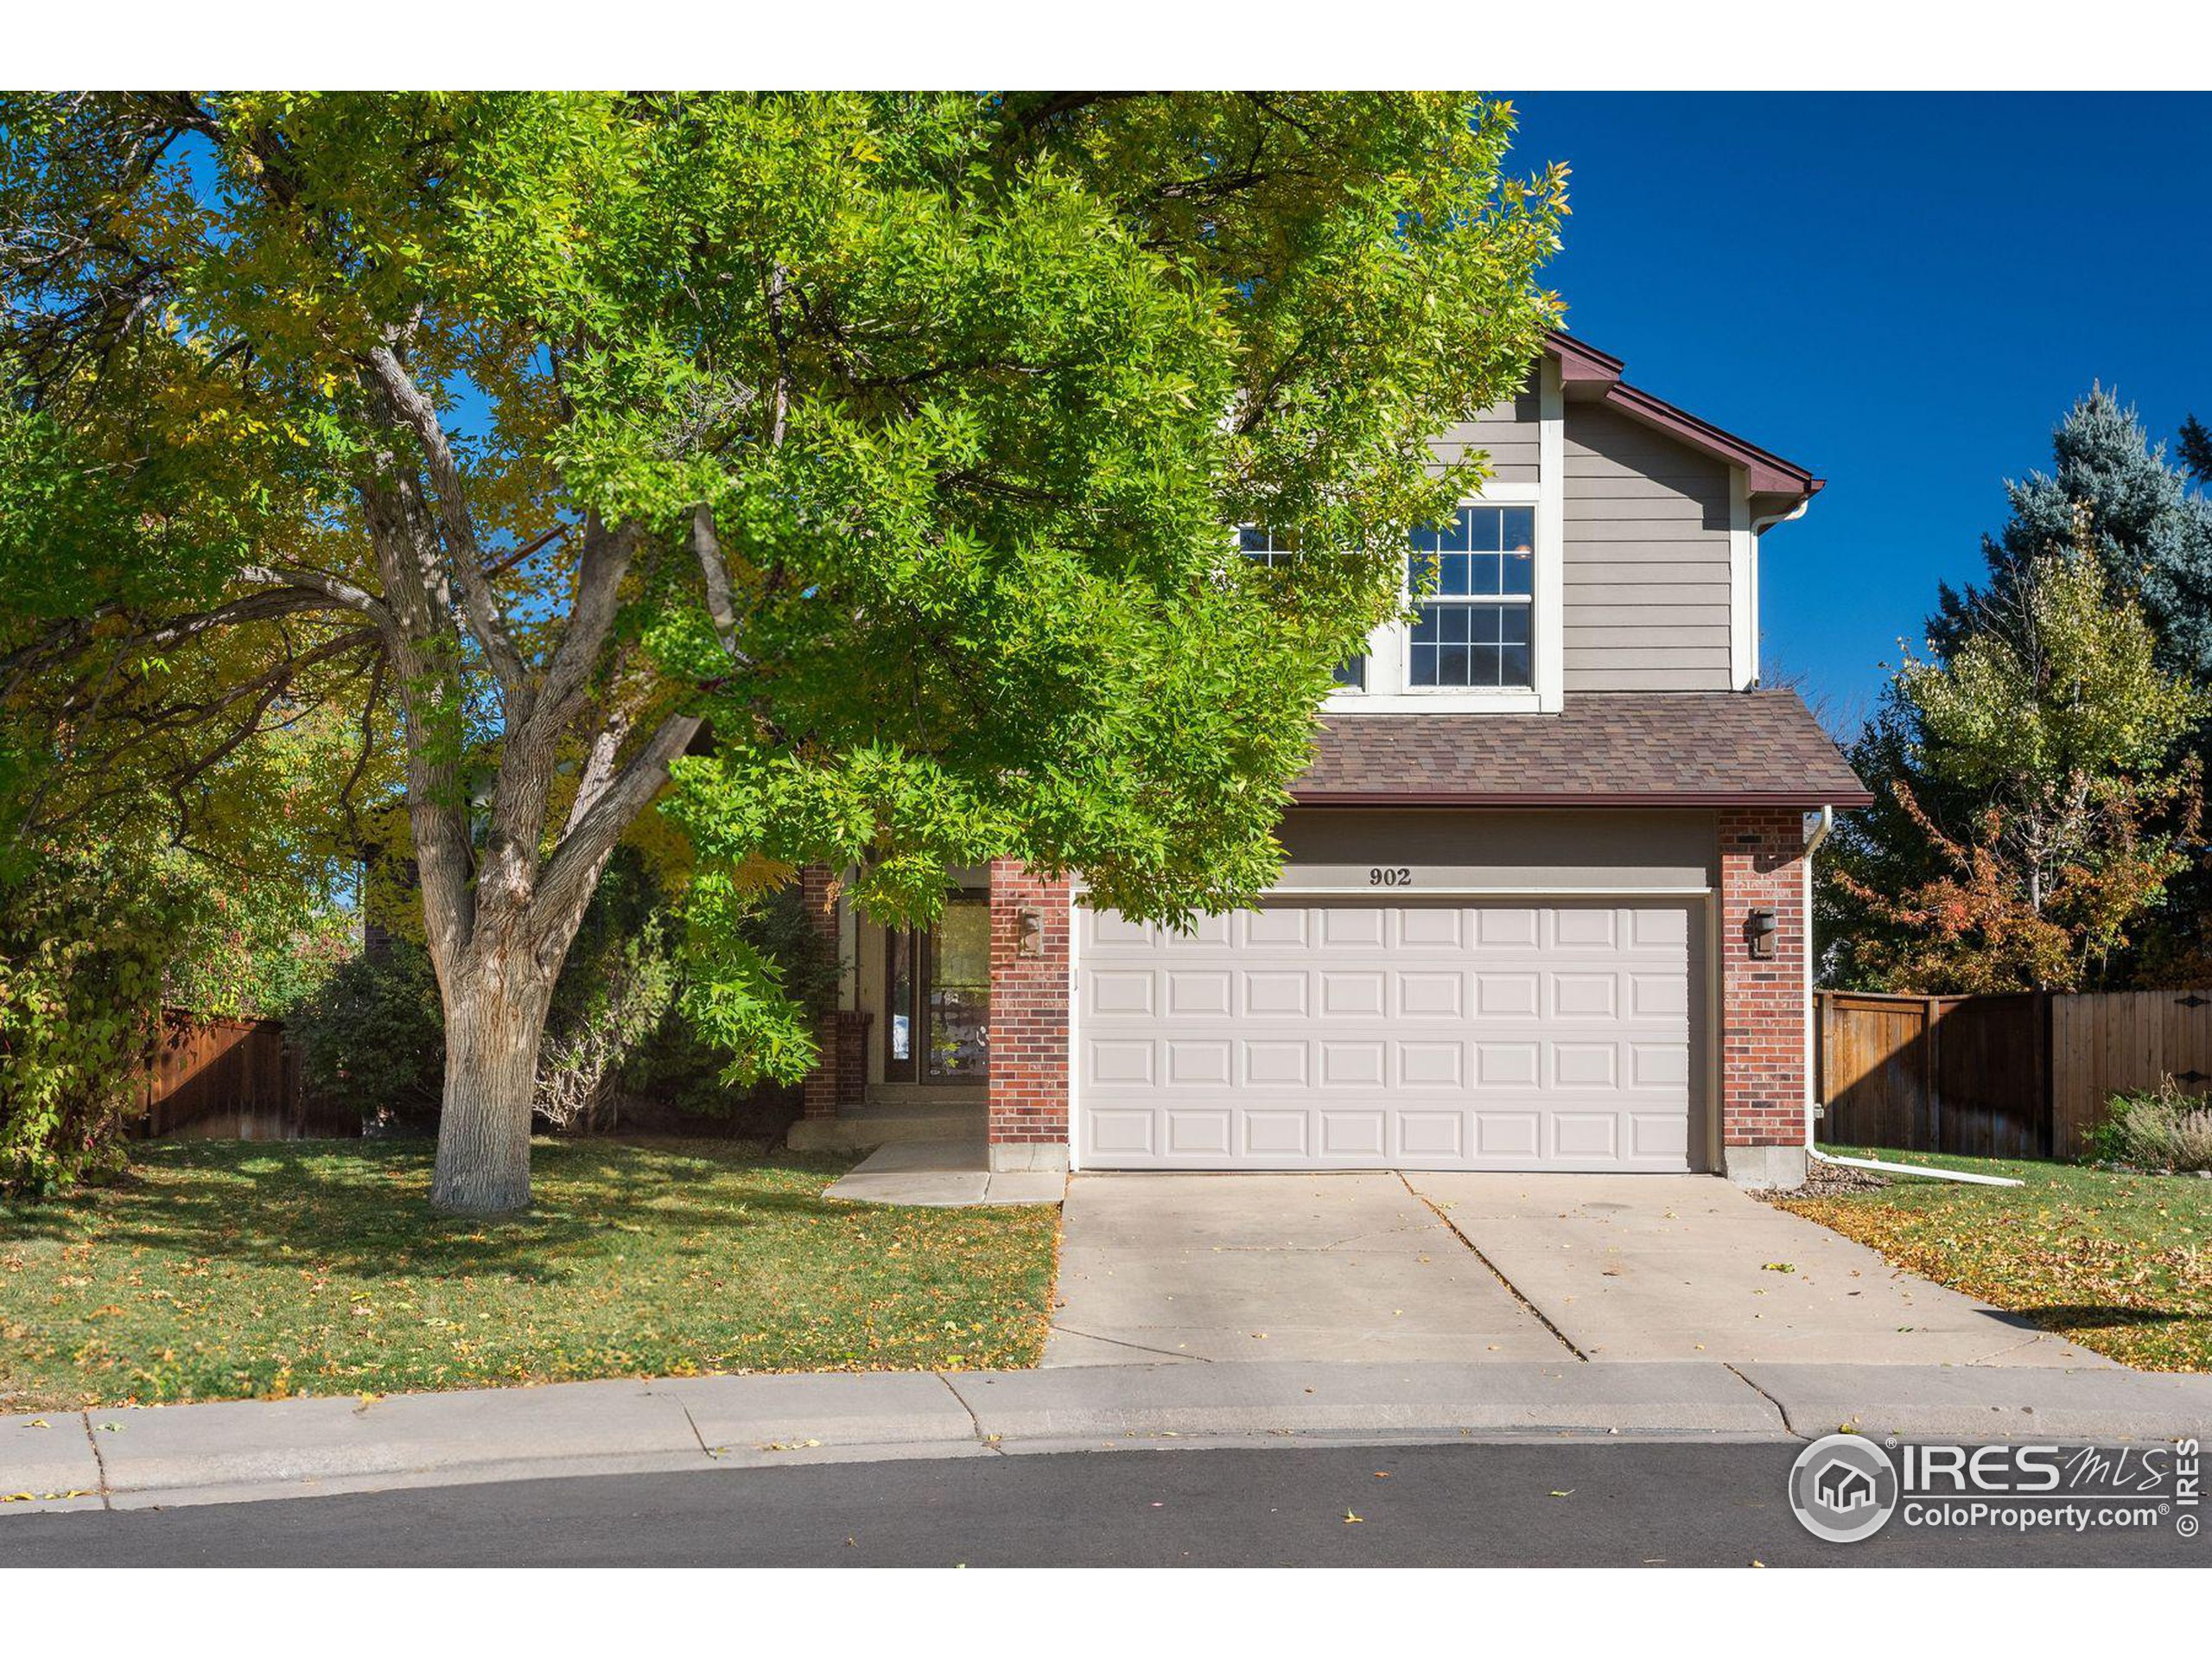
(1553, 1504)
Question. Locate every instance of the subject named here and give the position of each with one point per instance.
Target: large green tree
(2052, 736)
(875, 452)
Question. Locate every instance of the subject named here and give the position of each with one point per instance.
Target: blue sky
(1903, 293)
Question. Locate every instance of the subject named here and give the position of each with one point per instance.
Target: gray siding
(1646, 546)
(1508, 432)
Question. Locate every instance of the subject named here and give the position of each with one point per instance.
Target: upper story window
(1473, 579)
(1272, 548)
(1267, 547)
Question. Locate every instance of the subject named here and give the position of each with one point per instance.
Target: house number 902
(1382, 876)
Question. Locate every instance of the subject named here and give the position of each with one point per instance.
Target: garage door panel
(1586, 1065)
(1269, 1134)
(1584, 997)
(1586, 1135)
(1431, 1065)
(1119, 1061)
(1197, 1063)
(1573, 928)
(1286, 925)
(1359, 1134)
(1659, 1135)
(1275, 995)
(1352, 991)
(1201, 1134)
(1505, 1136)
(1506, 995)
(1502, 927)
(1432, 996)
(1423, 1136)
(1658, 995)
(1275, 1066)
(1472, 1035)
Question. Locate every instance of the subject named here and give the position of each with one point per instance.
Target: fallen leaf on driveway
(1779, 1266)
(1569, 1492)
(1352, 1520)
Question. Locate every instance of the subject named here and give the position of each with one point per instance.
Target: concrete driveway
(1475, 1268)
(1274, 1267)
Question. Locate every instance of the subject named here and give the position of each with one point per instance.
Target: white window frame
(1389, 654)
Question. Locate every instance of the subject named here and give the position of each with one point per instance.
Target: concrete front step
(932, 1096)
(886, 1127)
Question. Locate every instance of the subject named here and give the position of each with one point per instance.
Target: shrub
(374, 1036)
(611, 998)
(82, 947)
(2165, 1128)
(96, 934)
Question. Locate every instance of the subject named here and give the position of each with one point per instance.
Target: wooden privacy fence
(231, 1080)
(2023, 1075)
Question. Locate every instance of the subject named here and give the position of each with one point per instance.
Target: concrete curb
(1986, 1402)
(241, 1450)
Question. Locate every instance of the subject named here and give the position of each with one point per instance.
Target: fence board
(2004, 1077)
(233, 1080)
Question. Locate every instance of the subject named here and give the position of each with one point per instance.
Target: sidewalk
(234, 1451)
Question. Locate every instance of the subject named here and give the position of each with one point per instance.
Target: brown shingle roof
(1621, 748)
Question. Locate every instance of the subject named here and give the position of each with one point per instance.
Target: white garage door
(1343, 1035)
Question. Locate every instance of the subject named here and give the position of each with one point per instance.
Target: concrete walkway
(942, 1174)
(1494, 1268)
(168, 1455)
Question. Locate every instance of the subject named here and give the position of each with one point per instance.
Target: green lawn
(222, 1269)
(2119, 1263)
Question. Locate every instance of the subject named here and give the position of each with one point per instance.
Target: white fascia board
(1549, 622)
(1742, 585)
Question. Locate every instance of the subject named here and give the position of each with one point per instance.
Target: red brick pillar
(1032, 917)
(852, 1056)
(1763, 999)
(817, 895)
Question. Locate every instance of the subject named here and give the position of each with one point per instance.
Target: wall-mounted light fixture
(1030, 937)
(1759, 929)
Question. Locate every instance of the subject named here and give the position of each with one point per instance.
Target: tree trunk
(494, 1019)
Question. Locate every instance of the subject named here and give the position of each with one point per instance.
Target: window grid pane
(1461, 645)
(1266, 547)
(1484, 552)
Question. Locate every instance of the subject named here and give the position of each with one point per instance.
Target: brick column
(1029, 1019)
(817, 896)
(1763, 999)
(852, 1056)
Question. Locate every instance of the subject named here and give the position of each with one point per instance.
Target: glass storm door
(938, 997)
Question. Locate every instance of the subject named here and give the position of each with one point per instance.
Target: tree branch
(466, 560)
(573, 871)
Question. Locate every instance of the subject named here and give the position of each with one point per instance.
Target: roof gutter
(1595, 798)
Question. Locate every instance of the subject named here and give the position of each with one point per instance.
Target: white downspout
(1812, 1082)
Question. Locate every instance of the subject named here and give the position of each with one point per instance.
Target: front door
(938, 994)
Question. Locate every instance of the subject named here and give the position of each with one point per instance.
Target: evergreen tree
(2151, 530)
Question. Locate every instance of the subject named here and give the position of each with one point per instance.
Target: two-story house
(1545, 904)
